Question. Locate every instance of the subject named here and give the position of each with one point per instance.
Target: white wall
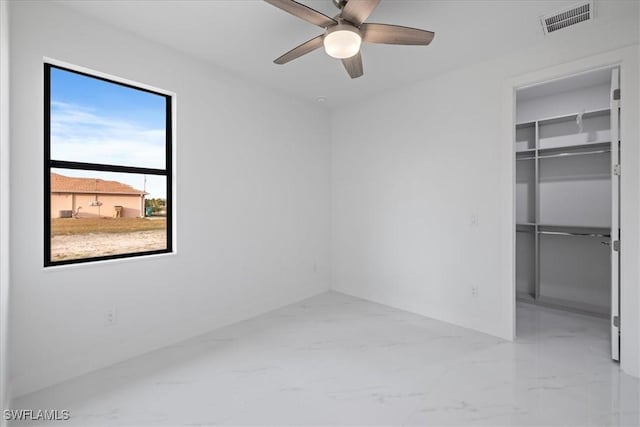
(637, 259)
(252, 207)
(412, 167)
(4, 205)
(590, 98)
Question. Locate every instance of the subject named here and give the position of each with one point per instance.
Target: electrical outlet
(110, 317)
(474, 290)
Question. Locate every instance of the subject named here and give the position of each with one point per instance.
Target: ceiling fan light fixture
(342, 41)
(343, 34)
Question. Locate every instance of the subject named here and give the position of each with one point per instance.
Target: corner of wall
(638, 77)
(5, 393)
(637, 367)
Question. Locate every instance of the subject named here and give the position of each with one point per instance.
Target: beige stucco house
(91, 197)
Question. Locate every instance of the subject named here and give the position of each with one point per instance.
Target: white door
(615, 215)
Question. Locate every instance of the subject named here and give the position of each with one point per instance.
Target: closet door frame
(614, 205)
(615, 213)
(607, 61)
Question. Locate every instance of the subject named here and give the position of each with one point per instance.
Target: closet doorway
(567, 157)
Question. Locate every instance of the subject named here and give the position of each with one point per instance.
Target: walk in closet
(567, 167)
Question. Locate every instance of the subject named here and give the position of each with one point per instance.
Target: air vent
(564, 18)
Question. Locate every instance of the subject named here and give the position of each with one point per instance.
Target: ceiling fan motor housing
(340, 4)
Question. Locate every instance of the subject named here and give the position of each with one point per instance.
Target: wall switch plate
(110, 317)
(474, 219)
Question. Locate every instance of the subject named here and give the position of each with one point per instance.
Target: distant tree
(156, 204)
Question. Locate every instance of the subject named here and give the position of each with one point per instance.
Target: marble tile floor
(338, 360)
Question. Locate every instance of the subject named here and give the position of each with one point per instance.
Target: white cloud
(78, 134)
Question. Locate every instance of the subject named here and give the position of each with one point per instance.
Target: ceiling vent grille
(564, 18)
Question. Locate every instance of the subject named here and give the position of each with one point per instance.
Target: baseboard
(495, 332)
(40, 379)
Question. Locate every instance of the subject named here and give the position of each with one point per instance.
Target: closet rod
(566, 233)
(579, 153)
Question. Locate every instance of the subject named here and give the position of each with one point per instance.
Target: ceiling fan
(345, 32)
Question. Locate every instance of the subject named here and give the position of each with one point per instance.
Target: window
(107, 171)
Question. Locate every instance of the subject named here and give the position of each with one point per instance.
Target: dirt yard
(104, 225)
(75, 246)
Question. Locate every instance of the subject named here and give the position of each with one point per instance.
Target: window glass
(108, 169)
(96, 121)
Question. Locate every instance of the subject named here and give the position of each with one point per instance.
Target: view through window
(107, 168)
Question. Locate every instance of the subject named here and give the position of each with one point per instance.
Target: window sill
(107, 262)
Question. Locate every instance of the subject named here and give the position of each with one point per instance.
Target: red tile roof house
(91, 198)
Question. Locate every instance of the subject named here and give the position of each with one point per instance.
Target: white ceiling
(245, 36)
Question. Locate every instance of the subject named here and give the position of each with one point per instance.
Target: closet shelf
(574, 116)
(595, 227)
(564, 118)
(590, 148)
(579, 231)
(525, 125)
(577, 153)
(587, 148)
(575, 234)
(575, 147)
(566, 228)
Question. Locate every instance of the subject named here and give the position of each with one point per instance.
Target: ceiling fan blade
(303, 12)
(353, 65)
(357, 11)
(303, 49)
(395, 34)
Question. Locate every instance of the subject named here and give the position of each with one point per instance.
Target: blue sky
(101, 122)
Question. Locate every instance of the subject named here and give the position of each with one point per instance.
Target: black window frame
(50, 163)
